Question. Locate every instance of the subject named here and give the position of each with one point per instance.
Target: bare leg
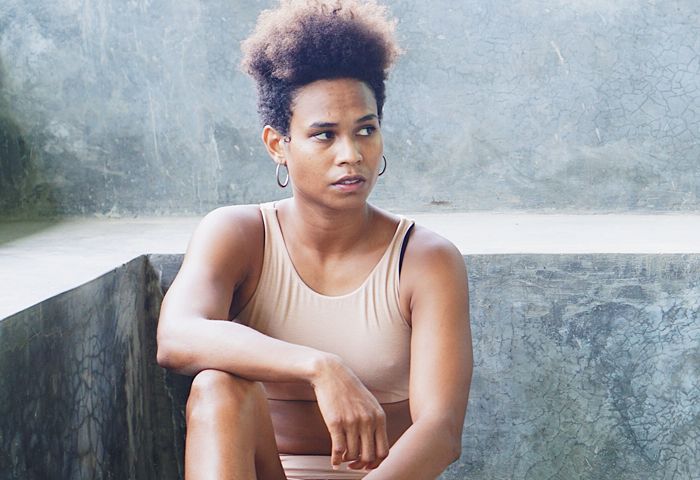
(229, 431)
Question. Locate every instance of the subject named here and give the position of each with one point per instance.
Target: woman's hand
(355, 420)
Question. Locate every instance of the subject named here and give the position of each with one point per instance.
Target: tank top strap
(393, 252)
(397, 243)
(386, 276)
(275, 266)
(269, 215)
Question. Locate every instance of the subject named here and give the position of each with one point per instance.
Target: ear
(274, 143)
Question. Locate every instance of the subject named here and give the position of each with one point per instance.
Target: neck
(327, 232)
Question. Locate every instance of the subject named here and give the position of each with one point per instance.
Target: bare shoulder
(219, 258)
(433, 268)
(227, 238)
(429, 252)
(230, 221)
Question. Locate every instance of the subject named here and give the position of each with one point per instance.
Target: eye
(367, 130)
(323, 135)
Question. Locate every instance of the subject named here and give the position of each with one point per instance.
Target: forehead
(332, 101)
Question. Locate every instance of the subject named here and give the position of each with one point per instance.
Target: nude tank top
(364, 327)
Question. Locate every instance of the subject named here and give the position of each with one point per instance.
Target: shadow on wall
(22, 193)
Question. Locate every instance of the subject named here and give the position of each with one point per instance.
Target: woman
(328, 338)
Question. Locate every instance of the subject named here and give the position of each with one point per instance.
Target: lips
(350, 180)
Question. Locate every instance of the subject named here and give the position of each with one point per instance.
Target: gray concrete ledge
(40, 260)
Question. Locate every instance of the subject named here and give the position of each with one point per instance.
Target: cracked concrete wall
(80, 394)
(121, 108)
(586, 368)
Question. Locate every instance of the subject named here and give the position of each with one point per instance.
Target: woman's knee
(214, 392)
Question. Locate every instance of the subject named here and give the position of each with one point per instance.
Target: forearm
(423, 452)
(192, 345)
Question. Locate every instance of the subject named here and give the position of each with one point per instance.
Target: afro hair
(302, 41)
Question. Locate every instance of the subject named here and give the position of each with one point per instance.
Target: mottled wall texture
(117, 107)
(586, 368)
(81, 396)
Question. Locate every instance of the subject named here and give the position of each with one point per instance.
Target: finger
(368, 453)
(357, 465)
(381, 444)
(338, 446)
(353, 445)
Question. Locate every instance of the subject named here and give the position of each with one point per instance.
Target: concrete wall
(121, 108)
(586, 368)
(80, 394)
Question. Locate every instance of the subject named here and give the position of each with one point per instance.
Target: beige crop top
(364, 327)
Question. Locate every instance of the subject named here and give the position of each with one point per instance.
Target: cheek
(303, 170)
(378, 143)
(377, 148)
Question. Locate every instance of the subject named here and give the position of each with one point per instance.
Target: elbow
(447, 434)
(172, 359)
(454, 450)
(453, 441)
(166, 352)
(175, 346)
(164, 355)
(173, 355)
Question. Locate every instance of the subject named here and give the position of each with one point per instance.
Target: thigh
(229, 430)
(267, 460)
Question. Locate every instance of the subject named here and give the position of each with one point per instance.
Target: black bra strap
(403, 246)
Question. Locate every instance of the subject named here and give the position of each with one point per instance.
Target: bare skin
(334, 238)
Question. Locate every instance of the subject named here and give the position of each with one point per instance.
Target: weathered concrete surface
(123, 108)
(80, 394)
(586, 367)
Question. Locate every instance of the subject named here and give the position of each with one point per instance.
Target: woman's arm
(194, 335)
(193, 331)
(441, 361)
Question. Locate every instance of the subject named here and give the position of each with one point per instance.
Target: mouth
(350, 180)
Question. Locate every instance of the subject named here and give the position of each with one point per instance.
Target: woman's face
(335, 146)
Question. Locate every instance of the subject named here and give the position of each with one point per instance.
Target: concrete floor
(40, 260)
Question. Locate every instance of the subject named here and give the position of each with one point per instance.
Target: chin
(351, 202)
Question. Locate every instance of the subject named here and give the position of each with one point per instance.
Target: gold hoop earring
(384, 168)
(277, 175)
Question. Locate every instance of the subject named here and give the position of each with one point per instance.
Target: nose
(348, 152)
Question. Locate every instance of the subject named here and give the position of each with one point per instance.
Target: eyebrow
(371, 116)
